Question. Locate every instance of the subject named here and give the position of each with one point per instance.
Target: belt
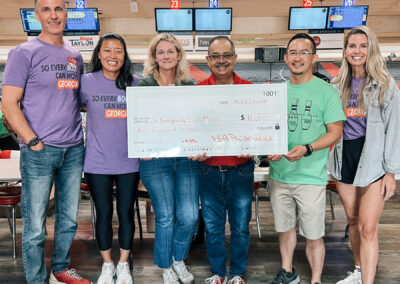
(227, 168)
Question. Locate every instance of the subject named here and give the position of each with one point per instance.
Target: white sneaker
(123, 274)
(181, 271)
(215, 279)
(107, 273)
(236, 280)
(352, 278)
(169, 276)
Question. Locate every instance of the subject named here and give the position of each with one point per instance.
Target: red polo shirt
(225, 160)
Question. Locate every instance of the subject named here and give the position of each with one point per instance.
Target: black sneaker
(284, 277)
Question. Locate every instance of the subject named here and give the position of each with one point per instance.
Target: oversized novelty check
(221, 120)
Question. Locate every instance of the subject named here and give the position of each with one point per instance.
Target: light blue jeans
(39, 169)
(172, 184)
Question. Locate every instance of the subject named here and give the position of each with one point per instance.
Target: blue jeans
(39, 169)
(231, 192)
(172, 184)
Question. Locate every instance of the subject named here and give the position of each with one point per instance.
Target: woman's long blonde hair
(375, 67)
(151, 66)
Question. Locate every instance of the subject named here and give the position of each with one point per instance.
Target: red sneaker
(236, 280)
(215, 279)
(67, 277)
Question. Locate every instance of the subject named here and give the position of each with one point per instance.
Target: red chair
(10, 197)
(9, 154)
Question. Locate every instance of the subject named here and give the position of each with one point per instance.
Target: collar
(373, 83)
(236, 79)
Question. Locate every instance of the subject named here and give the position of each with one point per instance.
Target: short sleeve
(82, 93)
(82, 65)
(333, 110)
(17, 68)
(135, 80)
(143, 82)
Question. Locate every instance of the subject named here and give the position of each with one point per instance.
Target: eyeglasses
(225, 56)
(301, 53)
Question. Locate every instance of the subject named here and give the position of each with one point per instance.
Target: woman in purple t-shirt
(106, 158)
(365, 161)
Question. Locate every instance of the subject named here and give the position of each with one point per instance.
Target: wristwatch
(33, 142)
(309, 150)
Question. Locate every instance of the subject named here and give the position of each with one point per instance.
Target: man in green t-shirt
(298, 179)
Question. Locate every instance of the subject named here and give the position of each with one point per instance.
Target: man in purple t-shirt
(40, 102)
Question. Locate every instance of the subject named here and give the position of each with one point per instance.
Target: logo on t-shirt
(115, 113)
(67, 84)
(68, 80)
(355, 112)
(352, 108)
(71, 64)
(294, 117)
(114, 105)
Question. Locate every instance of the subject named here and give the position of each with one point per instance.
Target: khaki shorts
(305, 201)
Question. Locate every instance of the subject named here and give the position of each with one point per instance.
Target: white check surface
(221, 120)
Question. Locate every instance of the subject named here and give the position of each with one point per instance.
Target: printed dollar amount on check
(221, 120)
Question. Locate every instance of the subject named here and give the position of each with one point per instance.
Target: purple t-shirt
(49, 75)
(106, 130)
(355, 125)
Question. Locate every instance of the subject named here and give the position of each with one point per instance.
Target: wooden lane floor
(264, 259)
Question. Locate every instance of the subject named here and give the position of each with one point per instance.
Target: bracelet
(309, 150)
(33, 142)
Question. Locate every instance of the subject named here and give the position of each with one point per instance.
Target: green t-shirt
(311, 106)
(3, 130)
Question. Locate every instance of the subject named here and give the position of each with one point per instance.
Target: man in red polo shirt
(226, 183)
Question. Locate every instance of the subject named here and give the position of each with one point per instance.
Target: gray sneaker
(183, 274)
(352, 278)
(170, 277)
(284, 277)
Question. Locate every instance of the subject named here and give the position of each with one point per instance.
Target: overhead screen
(219, 19)
(308, 18)
(29, 21)
(174, 20)
(79, 20)
(347, 17)
(83, 20)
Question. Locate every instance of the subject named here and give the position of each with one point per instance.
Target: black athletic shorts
(352, 150)
(351, 156)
